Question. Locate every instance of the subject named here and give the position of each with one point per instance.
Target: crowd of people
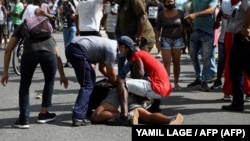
(134, 28)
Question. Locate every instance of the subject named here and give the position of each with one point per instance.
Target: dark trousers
(239, 63)
(29, 62)
(86, 78)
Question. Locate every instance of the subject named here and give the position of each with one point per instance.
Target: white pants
(141, 88)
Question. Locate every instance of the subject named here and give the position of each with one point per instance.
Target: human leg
(28, 65)
(236, 74)
(208, 60)
(68, 35)
(227, 87)
(220, 68)
(176, 57)
(166, 49)
(158, 118)
(104, 112)
(48, 63)
(194, 52)
(213, 73)
(166, 58)
(141, 88)
(86, 78)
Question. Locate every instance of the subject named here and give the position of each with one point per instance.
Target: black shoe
(217, 85)
(67, 64)
(22, 124)
(197, 82)
(80, 122)
(120, 121)
(232, 108)
(204, 87)
(43, 118)
(156, 106)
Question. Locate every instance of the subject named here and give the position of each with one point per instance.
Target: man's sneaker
(177, 120)
(204, 87)
(227, 98)
(232, 108)
(134, 117)
(217, 85)
(39, 95)
(197, 82)
(43, 118)
(22, 124)
(247, 99)
(80, 122)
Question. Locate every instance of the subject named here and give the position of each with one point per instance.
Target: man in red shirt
(149, 77)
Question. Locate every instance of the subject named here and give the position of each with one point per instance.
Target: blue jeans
(213, 66)
(86, 78)
(29, 62)
(69, 34)
(201, 41)
(123, 67)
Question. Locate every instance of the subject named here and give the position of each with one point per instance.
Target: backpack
(38, 27)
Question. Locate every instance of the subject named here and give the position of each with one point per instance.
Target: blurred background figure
(153, 8)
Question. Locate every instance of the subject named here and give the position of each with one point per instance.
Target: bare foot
(177, 120)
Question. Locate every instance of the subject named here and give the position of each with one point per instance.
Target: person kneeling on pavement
(149, 77)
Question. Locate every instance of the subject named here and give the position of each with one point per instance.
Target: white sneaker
(39, 95)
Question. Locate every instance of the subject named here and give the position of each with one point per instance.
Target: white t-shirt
(1, 15)
(29, 11)
(90, 14)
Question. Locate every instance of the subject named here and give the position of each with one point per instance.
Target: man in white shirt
(88, 17)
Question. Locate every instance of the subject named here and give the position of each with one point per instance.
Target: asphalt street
(198, 108)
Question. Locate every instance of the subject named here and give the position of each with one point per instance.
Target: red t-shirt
(156, 72)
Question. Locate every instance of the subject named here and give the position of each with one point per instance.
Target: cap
(127, 42)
